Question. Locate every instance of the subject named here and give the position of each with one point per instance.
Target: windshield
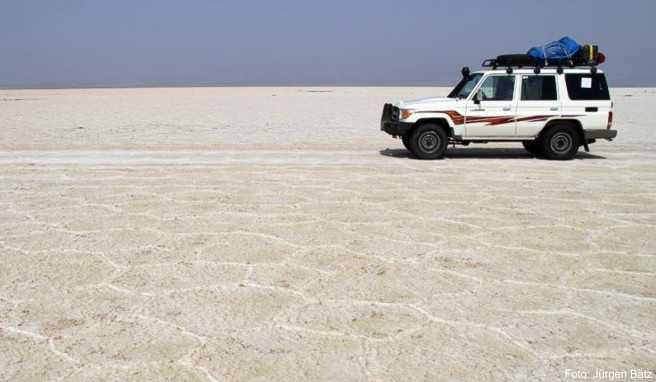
(466, 85)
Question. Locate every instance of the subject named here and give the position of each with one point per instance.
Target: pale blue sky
(377, 42)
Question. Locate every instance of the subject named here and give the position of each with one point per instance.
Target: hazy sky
(204, 42)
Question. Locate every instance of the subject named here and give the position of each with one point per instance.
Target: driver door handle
(507, 108)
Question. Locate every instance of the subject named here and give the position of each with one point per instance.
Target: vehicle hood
(431, 103)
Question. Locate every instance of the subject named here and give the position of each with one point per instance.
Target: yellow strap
(591, 54)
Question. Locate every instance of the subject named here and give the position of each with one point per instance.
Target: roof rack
(537, 66)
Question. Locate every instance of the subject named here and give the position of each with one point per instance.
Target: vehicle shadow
(495, 153)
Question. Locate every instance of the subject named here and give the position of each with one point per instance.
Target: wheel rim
(429, 142)
(561, 143)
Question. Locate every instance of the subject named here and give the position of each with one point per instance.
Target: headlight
(406, 113)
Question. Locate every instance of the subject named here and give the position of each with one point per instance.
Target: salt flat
(220, 234)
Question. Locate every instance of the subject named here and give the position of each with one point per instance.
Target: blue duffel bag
(559, 52)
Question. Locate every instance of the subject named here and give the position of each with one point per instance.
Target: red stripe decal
(459, 119)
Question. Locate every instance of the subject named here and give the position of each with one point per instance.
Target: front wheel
(429, 141)
(406, 141)
(560, 143)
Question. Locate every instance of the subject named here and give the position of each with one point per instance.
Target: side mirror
(477, 98)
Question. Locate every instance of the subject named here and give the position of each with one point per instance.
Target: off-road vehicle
(551, 111)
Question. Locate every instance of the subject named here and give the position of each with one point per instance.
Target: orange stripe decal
(459, 119)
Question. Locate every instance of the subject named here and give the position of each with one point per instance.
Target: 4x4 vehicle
(551, 111)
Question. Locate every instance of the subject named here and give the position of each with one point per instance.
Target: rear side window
(539, 88)
(589, 87)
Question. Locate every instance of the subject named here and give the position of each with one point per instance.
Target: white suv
(551, 111)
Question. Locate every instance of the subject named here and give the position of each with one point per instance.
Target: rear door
(588, 99)
(538, 101)
(495, 115)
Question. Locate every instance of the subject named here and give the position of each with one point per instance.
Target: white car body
(514, 119)
(551, 111)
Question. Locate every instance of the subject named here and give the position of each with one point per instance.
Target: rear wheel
(406, 141)
(560, 143)
(429, 141)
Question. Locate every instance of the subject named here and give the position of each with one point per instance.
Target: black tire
(406, 141)
(429, 141)
(532, 147)
(560, 143)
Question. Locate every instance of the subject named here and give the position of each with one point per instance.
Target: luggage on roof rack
(589, 55)
(514, 60)
(559, 52)
(564, 52)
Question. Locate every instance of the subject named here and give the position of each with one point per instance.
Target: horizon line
(263, 85)
(192, 85)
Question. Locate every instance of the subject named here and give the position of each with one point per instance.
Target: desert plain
(275, 234)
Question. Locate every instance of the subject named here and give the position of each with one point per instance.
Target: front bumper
(600, 134)
(390, 123)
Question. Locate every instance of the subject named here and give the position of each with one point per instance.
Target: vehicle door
(587, 98)
(539, 101)
(492, 107)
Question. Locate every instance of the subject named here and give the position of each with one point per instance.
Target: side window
(583, 86)
(539, 88)
(498, 88)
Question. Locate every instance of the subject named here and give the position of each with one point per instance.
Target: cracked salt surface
(324, 263)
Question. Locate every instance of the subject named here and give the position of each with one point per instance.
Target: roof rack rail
(492, 62)
(537, 66)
